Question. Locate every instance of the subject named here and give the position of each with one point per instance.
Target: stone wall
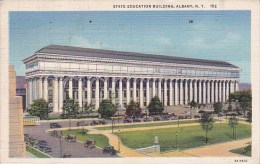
(17, 146)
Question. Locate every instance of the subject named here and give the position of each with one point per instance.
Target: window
(124, 93)
(131, 93)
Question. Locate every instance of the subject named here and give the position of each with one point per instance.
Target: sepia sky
(213, 35)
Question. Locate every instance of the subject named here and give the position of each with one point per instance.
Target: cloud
(231, 37)
(164, 40)
(84, 42)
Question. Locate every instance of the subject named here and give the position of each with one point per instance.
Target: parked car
(156, 119)
(90, 144)
(147, 120)
(54, 125)
(70, 138)
(109, 150)
(55, 133)
(82, 123)
(66, 156)
(137, 120)
(102, 122)
(94, 123)
(127, 121)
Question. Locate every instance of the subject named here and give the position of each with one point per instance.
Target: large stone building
(90, 75)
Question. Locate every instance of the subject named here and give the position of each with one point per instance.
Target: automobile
(196, 116)
(82, 123)
(109, 150)
(127, 121)
(66, 156)
(70, 138)
(89, 144)
(55, 133)
(147, 120)
(94, 123)
(137, 120)
(54, 125)
(45, 148)
(188, 117)
(156, 119)
(102, 122)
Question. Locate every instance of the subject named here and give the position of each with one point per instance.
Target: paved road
(76, 149)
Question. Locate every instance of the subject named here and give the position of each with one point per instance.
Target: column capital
(61, 77)
(56, 78)
(80, 78)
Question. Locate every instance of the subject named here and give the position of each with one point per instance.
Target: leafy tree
(40, 108)
(155, 106)
(206, 123)
(230, 107)
(232, 122)
(106, 109)
(133, 109)
(218, 107)
(70, 108)
(87, 109)
(249, 116)
(193, 104)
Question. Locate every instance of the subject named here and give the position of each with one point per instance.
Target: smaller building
(21, 85)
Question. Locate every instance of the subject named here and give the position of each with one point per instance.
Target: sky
(212, 35)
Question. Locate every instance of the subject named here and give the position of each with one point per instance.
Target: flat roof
(100, 53)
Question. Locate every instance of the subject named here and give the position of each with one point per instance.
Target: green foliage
(70, 108)
(106, 109)
(206, 123)
(230, 107)
(193, 104)
(155, 106)
(218, 107)
(249, 116)
(40, 108)
(232, 122)
(88, 108)
(133, 109)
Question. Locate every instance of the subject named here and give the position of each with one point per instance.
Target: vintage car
(82, 123)
(137, 120)
(55, 133)
(70, 138)
(89, 144)
(66, 156)
(54, 125)
(127, 121)
(109, 150)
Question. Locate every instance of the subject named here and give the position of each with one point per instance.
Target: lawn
(242, 152)
(36, 153)
(187, 137)
(147, 125)
(101, 140)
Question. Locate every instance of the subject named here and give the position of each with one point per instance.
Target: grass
(242, 152)
(147, 125)
(187, 137)
(101, 140)
(36, 153)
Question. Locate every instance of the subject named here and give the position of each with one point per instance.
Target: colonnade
(91, 90)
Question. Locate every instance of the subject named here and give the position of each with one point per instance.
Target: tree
(230, 107)
(193, 105)
(70, 108)
(40, 108)
(206, 123)
(106, 109)
(232, 122)
(218, 107)
(133, 109)
(88, 108)
(155, 106)
(249, 116)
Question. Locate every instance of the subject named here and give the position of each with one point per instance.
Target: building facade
(21, 85)
(90, 75)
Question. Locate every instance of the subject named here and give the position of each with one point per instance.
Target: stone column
(196, 91)
(113, 90)
(212, 92)
(200, 92)
(176, 93)
(224, 91)
(70, 88)
(204, 91)
(141, 95)
(134, 89)
(97, 94)
(236, 88)
(181, 92)
(147, 92)
(60, 94)
(186, 92)
(30, 91)
(191, 90)
(127, 91)
(80, 91)
(231, 86)
(159, 89)
(105, 88)
(208, 92)
(88, 91)
(216, 92)
(227, 90)
(45, 88)
(171, 93)
(154, 92)
(220, 91)
(55, 95)
(120, 95)
(40, 88)
(165, 92)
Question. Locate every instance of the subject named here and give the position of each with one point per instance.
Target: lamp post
(118, 140)
(176, 140)
(61, 144)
